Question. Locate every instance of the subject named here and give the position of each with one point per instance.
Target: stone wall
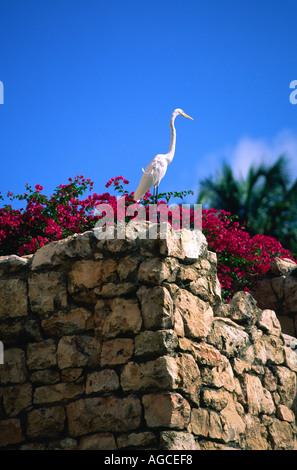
(278, 291)
(125, 344)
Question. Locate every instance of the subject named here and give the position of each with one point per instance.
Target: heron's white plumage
(157, 168)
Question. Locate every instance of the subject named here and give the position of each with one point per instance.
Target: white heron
(157, 168)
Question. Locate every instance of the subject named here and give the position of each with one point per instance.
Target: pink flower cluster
(45, 219)
(242, 259)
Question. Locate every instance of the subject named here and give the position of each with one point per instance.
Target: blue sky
(89, 87)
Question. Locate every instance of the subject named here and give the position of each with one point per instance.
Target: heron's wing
(152, 176)
(146, 182)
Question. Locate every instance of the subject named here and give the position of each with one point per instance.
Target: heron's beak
(189, 117)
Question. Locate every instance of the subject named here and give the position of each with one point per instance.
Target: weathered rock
(159, 374)
(102, 441)
(228, 337)
(13, 263)
(57, 392)
(47, 292)
(78, 351)
(105, 380)
(166, 410)
(55, 253)
(46, 422)
(140, 440)
(13, 298)
(11, 432)
(259, 399)
(42, 355)
(73, 321)
(117, 316)
(196, 315)
(116, 351)
(14, 369)
(174, 440)
(156, 308)
(152, 343)
(103, 414)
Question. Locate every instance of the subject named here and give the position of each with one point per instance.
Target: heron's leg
(157, 190)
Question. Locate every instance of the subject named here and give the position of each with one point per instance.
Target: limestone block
(47, 292)
(105, 380)
(42, 355)
(166, 410)
(46, 422)
(104, 414)
(259, 399)
(281, 266)
(58, 392)
(150, 343)
(197, 315)
(55, 253)
(242, 308)
(13, 298)
(269, 322)
(10, 432)
(78, 351)
(174, 440)
(286, 385)
(217, 399)
(21, 331)
(160, 374)
(189, 380)
(156, 307)
(274, 350)
(220, 376)
(67, 322)
(87, 274)
(102, 441)
(186, 245)
(155, 270)
(207, 355)
(255, 438)
(290, 358)
(13, 264)
(200, 422)
(139, 439)
(14, 369)
(116, 316)
(285, 414)
(228, 337)
(116, 351)
(200, 287)
(281, 435)
(17, 398)
(127, 266)
(232, 423)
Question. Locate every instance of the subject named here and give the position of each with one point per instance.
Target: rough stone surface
(278, 291)
(119, 344)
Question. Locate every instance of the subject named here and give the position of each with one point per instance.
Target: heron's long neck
(170, 154)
